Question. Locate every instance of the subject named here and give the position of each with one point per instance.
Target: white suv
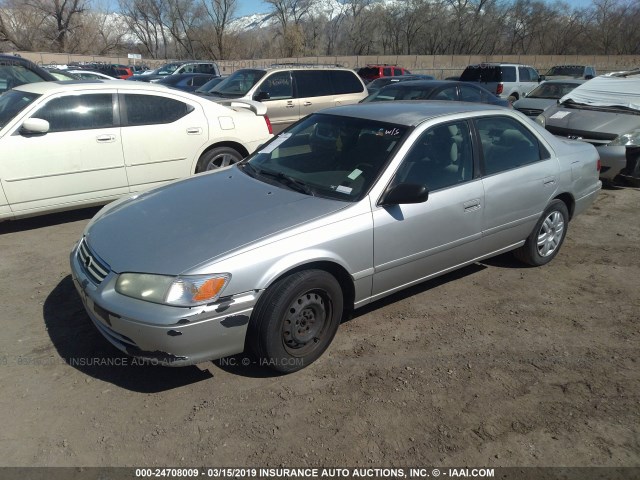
(507, 80)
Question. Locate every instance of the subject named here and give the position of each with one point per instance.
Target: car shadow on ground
(33, 223)
(247, 365)
(81, 346)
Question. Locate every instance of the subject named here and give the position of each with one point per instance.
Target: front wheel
(544, 242)
(217, 157)
(296, 320)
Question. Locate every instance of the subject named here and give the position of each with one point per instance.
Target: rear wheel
(218, 157)
(296, 320)
(544, 242)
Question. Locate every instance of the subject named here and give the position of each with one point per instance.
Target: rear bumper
(585, 202)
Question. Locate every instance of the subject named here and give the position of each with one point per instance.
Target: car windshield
(207, 87)
(238, 83)
(166, 69)
(14, 75)
(327, 156)
(551, 90)
(567, 70)
(12, 103)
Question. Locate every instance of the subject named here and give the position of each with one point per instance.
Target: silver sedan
(343, 208)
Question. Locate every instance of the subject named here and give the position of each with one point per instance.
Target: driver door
(283, 109)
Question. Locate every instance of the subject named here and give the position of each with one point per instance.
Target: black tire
(547, 237)
(312, 302)
(217, 157)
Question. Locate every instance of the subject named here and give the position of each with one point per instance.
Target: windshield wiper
(290, 182)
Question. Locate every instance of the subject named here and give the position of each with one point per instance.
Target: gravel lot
(494, 365)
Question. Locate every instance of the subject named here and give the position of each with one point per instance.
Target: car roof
(577, 81)
(409, 112)
(500, 64)
(42, 88)
(426, 83)
(295, 67)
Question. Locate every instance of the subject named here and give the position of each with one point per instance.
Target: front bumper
(162, 334)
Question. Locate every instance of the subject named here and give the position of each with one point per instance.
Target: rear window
(345, 82)
(482, 73)
(508, 74)
(369, 72)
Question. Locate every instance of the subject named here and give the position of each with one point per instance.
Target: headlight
(540, 120)
(630, 138)
(182, 291)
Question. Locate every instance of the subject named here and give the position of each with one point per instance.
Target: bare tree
(219, 14)
(60, 16)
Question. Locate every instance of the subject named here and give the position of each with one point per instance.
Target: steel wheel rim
(550, 234)
(219, 161)
(305, 322)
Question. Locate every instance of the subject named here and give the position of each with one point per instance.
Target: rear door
(347, 87)
(161, 136)
(79, 160)
(519, 178)
(314, 90)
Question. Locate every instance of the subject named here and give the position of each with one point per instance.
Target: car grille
(595, 138)
(530, 112)
(92, 265)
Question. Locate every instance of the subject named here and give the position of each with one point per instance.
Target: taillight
(499, 89)
(269, 127)
(598, 165)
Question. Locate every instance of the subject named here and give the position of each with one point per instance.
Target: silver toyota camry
(343, 208)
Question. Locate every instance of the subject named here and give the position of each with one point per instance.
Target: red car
(371, 72)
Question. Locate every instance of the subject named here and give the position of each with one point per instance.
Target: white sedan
(66, 146)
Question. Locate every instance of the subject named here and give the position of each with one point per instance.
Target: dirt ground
(494, 365)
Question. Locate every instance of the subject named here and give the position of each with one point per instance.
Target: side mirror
(540, 78)
(260, 96)
(588, 77)
(404, 193)
(35, 125)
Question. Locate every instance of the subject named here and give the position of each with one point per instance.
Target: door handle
(472, 205)
(105, 138)
(549, 180)
(194, 131)
(290, 104)
(306, 104)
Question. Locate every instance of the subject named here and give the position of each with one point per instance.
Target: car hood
(585, 120)
(174, 228)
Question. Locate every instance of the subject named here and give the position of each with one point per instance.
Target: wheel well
(343, 277)
(235, 145)
(568, 200)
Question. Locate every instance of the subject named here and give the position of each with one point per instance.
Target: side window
(507, 144)
(78, 112)
(448, 93)
(533, 75)
(279, 86)
(442, 157)
(387, 72)
(508, 74)
(151, 109)
(524, 74)
(312, 83)
(199, 81)
(470, 94)
(344, 81)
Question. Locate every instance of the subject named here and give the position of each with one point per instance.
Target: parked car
(378, 83)
(292, 92)
(605, 112)
(507, 80)
(90, 75)
(178, 68)
(585, 72)
(187, 82)
(67, 145)
(545, 95)
(436, 90)
(15, 71)
(62, 75)
(207, 88)
(371, 72)
(346, 207)
(112, 70)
